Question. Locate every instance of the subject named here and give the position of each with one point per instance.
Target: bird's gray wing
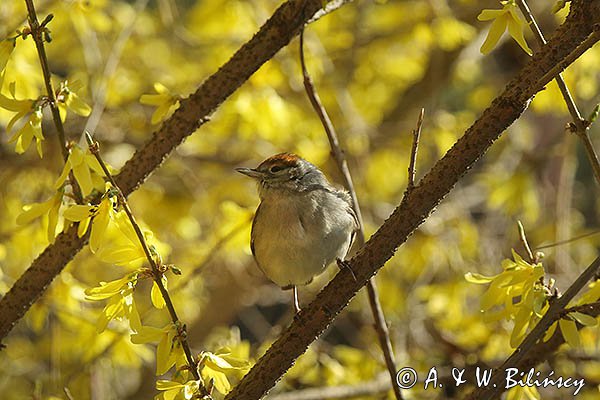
(344, 195)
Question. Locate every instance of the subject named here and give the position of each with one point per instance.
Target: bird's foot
(296, 303)
(345, 265)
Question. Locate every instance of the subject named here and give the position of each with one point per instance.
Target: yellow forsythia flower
(99, 215)
(6, 48)
(215, 365)
(165, 102)
(49, 207)
(68, 99)
(121, 303)
(172, 389)
(82, 163)
(515, 294)
(506, 18)
(168, 352)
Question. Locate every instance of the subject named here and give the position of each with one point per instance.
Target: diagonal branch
(194, 111)
(381, 328)
(419, 203)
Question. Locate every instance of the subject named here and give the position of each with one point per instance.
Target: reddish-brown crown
(281, 159)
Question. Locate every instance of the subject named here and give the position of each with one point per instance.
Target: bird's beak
(252, 173)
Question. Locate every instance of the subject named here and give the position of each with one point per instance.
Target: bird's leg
(344, 265)
(296, 305)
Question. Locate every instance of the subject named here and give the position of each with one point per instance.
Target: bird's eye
(275, 168)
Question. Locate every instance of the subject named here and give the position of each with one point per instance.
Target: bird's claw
(296, 303)
(345, 265)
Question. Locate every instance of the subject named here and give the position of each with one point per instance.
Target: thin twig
(413, 153)
(573, 239)
(583, 308)
(157, 272)
(579, 126)
(337, 153)
(590, 151)
(553, 314)
(570, 58)
(334, 143)
(68, 393)
(525, 243)
(16, 25)
(38, 31)
(539, 36)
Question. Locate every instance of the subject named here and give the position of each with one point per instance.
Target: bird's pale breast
(296, 237)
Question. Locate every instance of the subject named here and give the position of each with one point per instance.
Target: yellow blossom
(68, 99)
(506, 18)
(31, 128)
(165, 102)
(6, 48)
(592, 294)
(515, 294)
(122, 246)
(83, 164)
(168, 352)
(568, 328)
(215, 365)
(99, 215)
(121, 303)
(49, 207)
(156, 296)
(172, 389)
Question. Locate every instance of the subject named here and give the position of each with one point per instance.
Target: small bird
(302, 223)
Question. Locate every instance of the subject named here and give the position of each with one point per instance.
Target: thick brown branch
(418, 204)
(193, 112)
